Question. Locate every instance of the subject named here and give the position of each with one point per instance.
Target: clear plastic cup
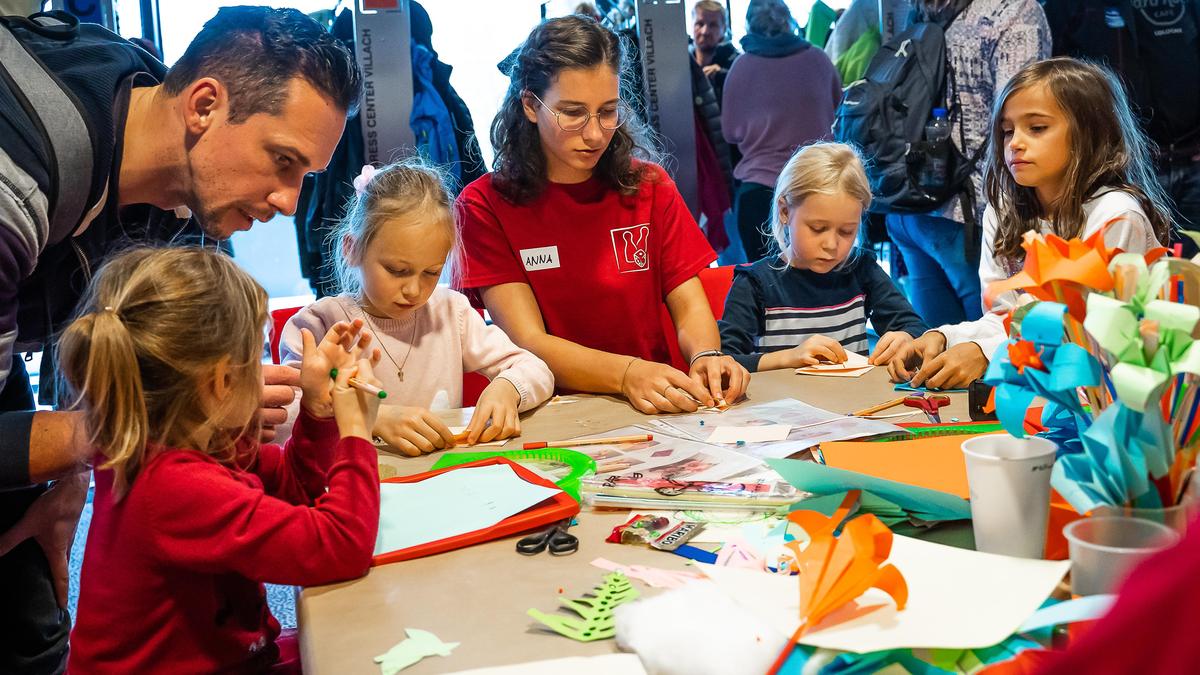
(1104, 549)
(1175, 517)
(1009, 480)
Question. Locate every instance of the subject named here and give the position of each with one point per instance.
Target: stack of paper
(918, 502)
(808, 426)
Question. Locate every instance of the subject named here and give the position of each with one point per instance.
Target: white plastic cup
(1105, 549)
(1009, 481)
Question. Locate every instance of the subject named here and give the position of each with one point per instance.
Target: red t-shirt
(173, 573)
(600, 264)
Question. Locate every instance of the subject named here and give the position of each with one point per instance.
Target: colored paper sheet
(822, 480)
(420, 644)
(957, 599)
(904, 386)
(935, 462)
(604, 664)
(766, 433)
(1088, 608)
(458, 430)
(855, 365)
(452, 503)
(891, 514)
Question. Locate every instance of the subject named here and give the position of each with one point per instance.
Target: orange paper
(935, 462)
(835, 570)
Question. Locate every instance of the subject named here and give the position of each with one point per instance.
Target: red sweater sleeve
(297, 472)
(208, 519)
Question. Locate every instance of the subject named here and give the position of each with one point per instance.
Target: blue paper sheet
(1086, 608)
(904, 386)
(452, 503)
(821, 480)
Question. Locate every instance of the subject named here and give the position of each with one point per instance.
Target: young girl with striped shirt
(810, 301)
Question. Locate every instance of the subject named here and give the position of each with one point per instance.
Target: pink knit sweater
(449, 338)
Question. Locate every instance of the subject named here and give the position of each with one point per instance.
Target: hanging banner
(382, 48)
(667, 75)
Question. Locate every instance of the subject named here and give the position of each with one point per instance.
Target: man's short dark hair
(256, 52)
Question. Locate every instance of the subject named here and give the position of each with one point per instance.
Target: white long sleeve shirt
(1133, 233)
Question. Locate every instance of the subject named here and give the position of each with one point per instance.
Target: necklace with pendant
(382, 343)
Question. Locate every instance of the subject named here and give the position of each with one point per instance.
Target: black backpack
(884, 115)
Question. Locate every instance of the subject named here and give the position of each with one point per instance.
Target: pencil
(367, 387)
(882, 406)
(640, 438)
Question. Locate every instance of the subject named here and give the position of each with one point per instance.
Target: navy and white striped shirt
(769, 309)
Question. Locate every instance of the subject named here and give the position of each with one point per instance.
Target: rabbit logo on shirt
(631, 247)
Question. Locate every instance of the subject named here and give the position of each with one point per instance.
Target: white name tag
(544, 258)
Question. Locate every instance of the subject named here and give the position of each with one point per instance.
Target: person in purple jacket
(779, 95)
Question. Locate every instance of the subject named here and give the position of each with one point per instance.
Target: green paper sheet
(823, 480)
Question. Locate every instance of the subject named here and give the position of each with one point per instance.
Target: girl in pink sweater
(395, 240)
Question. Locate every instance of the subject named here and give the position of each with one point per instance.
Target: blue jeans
(943, 283)
(1180, 177)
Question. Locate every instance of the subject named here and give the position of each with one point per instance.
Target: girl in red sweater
(191, 514)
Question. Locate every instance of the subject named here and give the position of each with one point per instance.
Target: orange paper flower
(1024, 353)
(835, 570)
(1059, 270)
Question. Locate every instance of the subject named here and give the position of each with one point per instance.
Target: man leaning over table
(186, 156)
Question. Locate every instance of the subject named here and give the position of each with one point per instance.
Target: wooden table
(478, 596)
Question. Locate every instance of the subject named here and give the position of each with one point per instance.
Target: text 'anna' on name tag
(544, 258)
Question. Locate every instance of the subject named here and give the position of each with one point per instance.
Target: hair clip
(360, 181)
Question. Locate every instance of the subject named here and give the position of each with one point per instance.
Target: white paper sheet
(453, 503)
(605, 664)
(764, 433)
(810, 426)
(957, 599)
(667, 456)
(855, 365)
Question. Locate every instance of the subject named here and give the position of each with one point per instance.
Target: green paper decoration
(596, 610)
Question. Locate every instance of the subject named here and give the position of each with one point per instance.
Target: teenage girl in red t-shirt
(573, 244)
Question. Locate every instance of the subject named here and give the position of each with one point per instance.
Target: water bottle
(937, 166)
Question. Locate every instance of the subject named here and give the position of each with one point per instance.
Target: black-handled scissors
(555, 538)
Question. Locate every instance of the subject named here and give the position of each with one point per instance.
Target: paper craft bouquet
(1109, 345)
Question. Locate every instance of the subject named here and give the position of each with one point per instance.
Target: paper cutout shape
(420, 644)
(931, 505)
(765, 433)
(855, 365)
(595, 610)
(655, 577)
(935, 462)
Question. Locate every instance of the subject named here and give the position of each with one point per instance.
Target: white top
(440, 341)
(1133, 233)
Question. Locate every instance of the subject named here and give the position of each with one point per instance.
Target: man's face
(252, 170)
(707, 29)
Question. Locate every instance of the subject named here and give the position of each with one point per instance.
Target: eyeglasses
(610, 120)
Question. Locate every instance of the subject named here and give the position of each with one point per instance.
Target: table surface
(478, 596)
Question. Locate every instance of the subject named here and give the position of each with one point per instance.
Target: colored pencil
(640, 438)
